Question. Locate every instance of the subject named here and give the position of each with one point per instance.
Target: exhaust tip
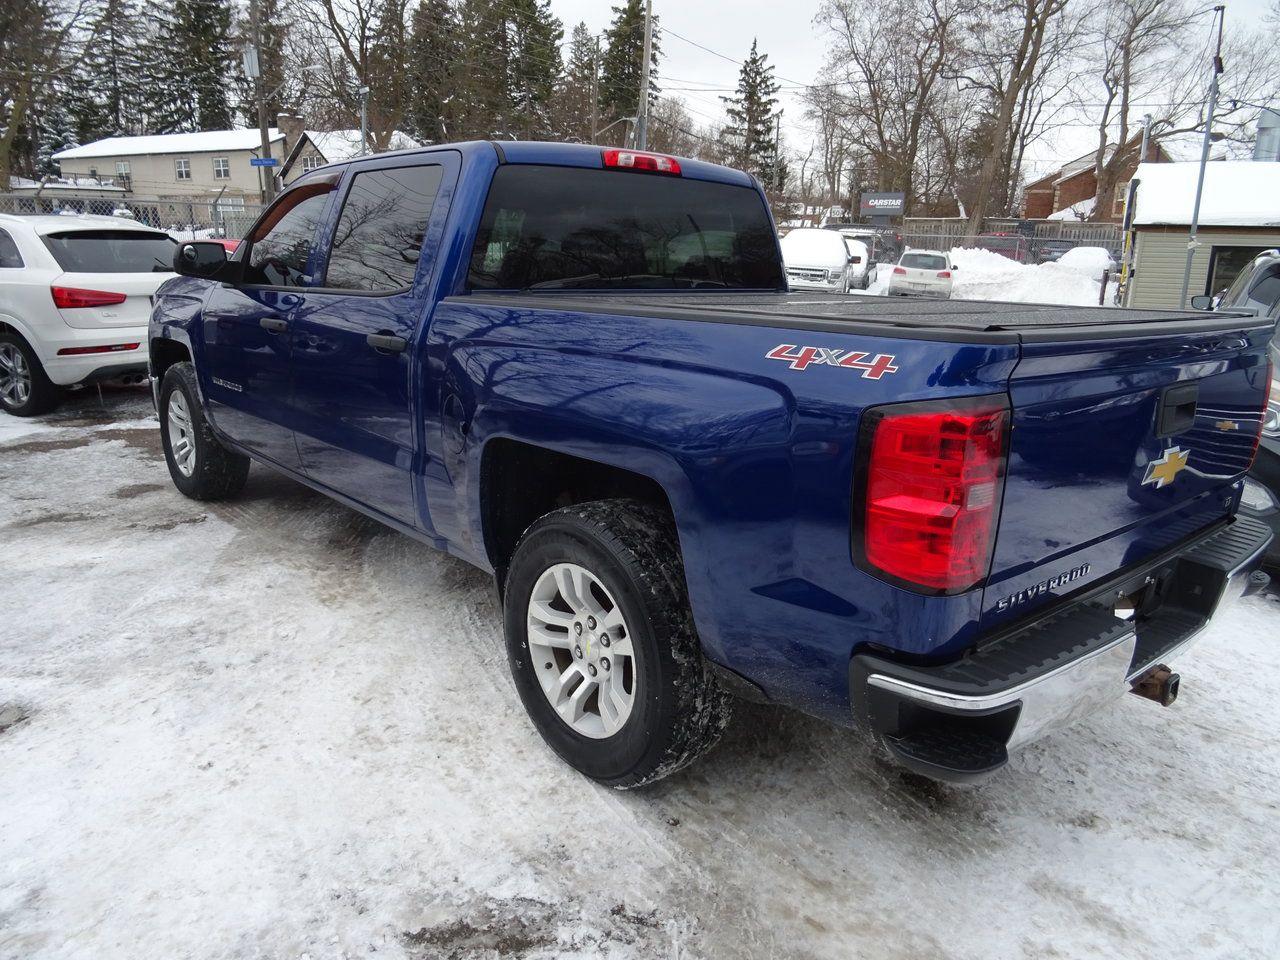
(1159, 684)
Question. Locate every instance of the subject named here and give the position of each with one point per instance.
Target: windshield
(563, 227)
(112, 251)
(924, 261)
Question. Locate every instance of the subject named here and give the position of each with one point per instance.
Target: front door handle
(386, 343)
(274, 324)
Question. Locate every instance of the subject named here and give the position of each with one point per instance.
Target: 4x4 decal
(800, 357)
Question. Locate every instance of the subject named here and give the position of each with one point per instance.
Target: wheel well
(520, 482)
(164, 354)
(9, 328)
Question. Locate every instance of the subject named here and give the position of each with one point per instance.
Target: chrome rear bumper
(958, 721)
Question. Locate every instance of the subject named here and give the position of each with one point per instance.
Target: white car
(924, 273)
(75, 298)
(824, 260)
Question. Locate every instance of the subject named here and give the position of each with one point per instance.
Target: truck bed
(981, 321)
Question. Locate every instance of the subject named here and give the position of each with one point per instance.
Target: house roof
(1081, 210)
(338, 145)
(208, 141)
(1237, 193)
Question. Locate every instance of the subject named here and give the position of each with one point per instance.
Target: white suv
(75, 298)
(921, 273)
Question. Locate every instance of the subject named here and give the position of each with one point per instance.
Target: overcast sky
(796, 48)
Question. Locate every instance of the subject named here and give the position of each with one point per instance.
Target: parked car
(1048, 251)
(821, 260)
(885, 242)
(921, 273)
(1014, 246)
(1256, 290)
(75, 294)
(880, 515)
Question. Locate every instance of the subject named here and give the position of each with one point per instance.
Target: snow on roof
(208, 141)
(1237, 193)
(1082, 163)
(55, 184)
(339, 145)
(1080, 210)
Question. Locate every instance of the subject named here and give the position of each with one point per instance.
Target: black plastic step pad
(952, 749)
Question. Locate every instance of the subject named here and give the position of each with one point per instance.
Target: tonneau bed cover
(985, 321)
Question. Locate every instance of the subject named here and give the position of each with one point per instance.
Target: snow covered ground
(983, 275)
(273, 729)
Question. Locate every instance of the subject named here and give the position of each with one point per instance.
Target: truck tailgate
(1118, 449)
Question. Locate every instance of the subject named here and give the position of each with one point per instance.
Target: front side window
(10, 258)
(280, 244)
(182, 169)
(562, 228)
(221, 168)
(379, 235)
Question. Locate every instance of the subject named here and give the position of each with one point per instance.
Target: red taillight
(649, 162)
(70, 298)
(930, 489)
(112, 348)
(944, 274)
(900, 270)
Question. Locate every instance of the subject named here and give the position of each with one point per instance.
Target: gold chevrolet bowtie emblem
(1164, 470)
(1225, 425)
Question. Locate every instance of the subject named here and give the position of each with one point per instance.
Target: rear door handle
(274, 324)
(386, 343)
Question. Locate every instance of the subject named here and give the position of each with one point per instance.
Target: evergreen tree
(752, 118)
(535, 67)
(574, 102)
(109, 99)
(484, 57)
(433, 65)
(190, 63)
(620, 67)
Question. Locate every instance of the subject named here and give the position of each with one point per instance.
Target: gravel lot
(272, 728)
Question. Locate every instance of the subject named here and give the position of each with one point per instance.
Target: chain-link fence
(183, 219)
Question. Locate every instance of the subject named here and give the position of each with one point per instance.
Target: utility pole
(777, 152)
(642, 109)
(253, 68)
(364, 120)
(595, 89)
(1192, 243)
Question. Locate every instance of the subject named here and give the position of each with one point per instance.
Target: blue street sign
(263, 162)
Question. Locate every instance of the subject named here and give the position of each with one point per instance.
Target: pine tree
(750, 133)
(620, 67)
(433, 64)
(574, 102)
(535, 67)
(484, 56)
(190, 62)
(109, 99)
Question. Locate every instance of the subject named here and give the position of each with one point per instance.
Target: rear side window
(1266, 292)
(112, 251)
(9, 255)
(379, 235)
(280, 244)
(924, 261)
(559, 227)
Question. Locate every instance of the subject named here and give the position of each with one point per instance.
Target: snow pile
(1077, 211)
(983, 275)
(1091, 261)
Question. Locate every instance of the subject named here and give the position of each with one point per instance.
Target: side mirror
(1202, 302)
(205, 260)
(855, 258)
(954, 267)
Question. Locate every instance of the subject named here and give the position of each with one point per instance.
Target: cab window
(378, 239)
(280, 243)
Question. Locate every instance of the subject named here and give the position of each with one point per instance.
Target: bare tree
(1007, 41)
(887, 60)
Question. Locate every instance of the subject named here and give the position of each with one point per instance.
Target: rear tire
(672, 710)
(200, 466)
(25, 389)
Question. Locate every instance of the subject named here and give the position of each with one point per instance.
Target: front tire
(25, 389)
(200, 466)
(602, 645)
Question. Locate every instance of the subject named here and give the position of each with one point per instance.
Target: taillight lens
(648, 162)
(109, 348)
(931, 477)
(70, 298)
(900, 270)
(944, 274)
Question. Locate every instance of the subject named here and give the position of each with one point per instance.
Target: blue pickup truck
(959, 525)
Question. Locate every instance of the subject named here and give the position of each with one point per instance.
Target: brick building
(1073, 187)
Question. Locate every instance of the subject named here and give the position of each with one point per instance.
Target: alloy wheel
(182, 441)
(15, 375)
(581, 651)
